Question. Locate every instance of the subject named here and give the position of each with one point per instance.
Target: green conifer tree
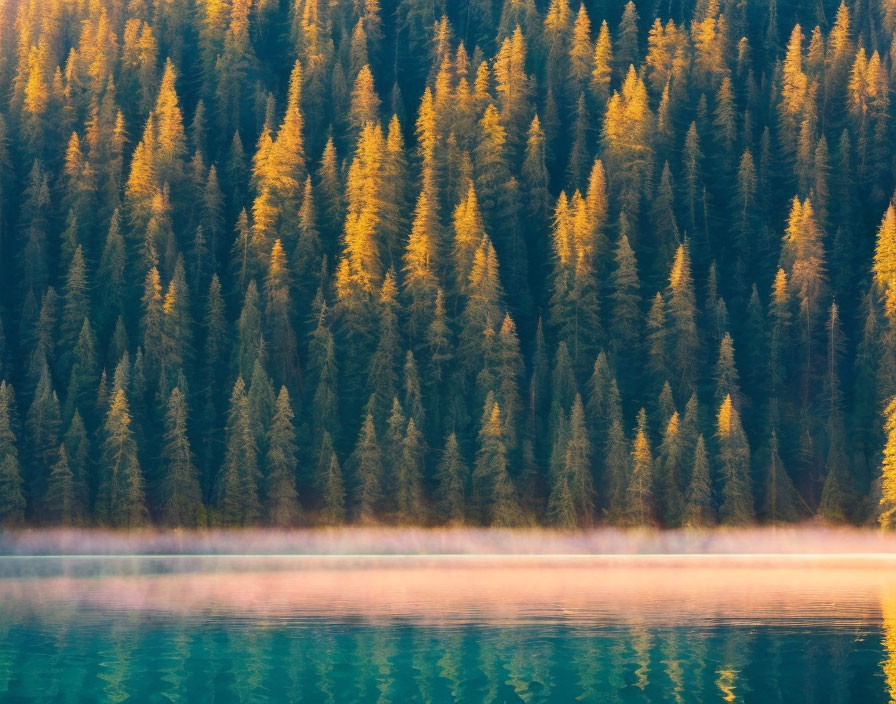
(180, 495)
(121, 500)
(12, 498)
(237, 492)
(452, 477)
(281, 499)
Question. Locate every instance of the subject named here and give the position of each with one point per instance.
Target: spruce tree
(60, 501)
(237, 493)
(409, 477)
(682, 317)
(571, 502)
(734, 467)
(698, 511)
(640, 500)
(670, 471)
(333, 511)
(452, 477)
(887, 509)
(180, 495)
(281, 499)
(12, 498)
(79, 456)
(121, 500)
(781, 503)
(367, 464)
(493, 495)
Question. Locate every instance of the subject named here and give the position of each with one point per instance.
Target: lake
(448, 628)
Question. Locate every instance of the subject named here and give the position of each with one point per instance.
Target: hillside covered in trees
(300, 262)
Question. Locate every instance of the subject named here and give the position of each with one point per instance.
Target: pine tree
(617, 470)
(83, 377)
(420, 266)
(603, 62)
(361, 257)
(835, 492)
(626, 300)
(281, 500)
(365, 106)
(324, 374)
(682, 315)
(803, 257)
(452, 476)
(561, 507)
(726, 376)
(884, 289)
(333, 512)
(698, 510)
(60, 501)
(780, 500)
(572, 497)
(512, 86)
(535, 180)
(121, 498)
(692, 182)
(493, 495)
(640, 496)
(76, 308)
(236, 495)
(670, 471)
(78, 455)
(12, 498)
(734, 467)
(180, 495)
(574, 303)
(581, 53)
(382, 373)
(43, 425)
(367, 465)
(409, 477)
(657, 341)
(286, 163)
(283, 346)
(627, 140)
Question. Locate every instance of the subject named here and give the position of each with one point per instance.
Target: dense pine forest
(314, 262)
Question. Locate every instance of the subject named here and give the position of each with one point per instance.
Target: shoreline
(806, 541)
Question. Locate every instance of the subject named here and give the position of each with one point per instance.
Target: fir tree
(12, 498)
(670, 471)
(60, 502)
(121, 500)
(181, 498)
(571, 502)
(281, 500)
(409, 477)
(493, 495)
(617, 470)
(698, 510)
(368, 468)
(640, 498)
(237, 496)
(452, 477)
(734, 467)
(333, 512)
(780, 498)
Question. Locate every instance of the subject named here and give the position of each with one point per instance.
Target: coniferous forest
(505, 263)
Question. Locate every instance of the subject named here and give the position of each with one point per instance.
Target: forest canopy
(498, 262)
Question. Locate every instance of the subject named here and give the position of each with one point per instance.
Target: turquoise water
(407, 630)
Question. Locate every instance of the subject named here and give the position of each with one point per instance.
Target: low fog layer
(450, 541)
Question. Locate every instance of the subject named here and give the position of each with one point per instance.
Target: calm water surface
(401, 629)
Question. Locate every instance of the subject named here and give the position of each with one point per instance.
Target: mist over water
(790, 540)
(375, 615)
